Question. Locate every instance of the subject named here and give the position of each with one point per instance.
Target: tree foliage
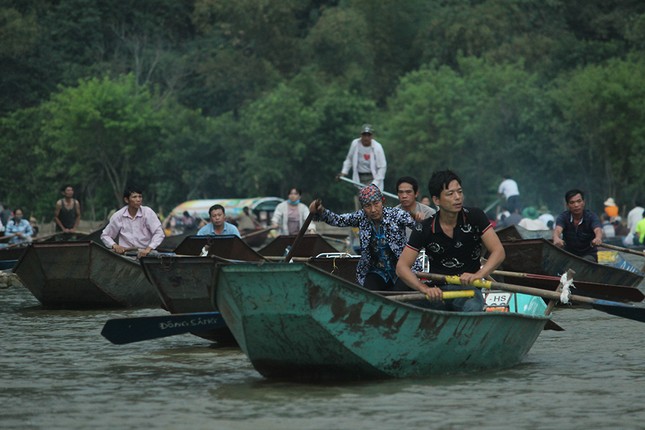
(212, 98)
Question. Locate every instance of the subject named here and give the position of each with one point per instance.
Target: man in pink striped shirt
(133, 227)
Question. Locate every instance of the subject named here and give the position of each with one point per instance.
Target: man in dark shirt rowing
(578, 230)
(453, 239)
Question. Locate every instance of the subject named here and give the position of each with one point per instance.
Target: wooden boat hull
(295, 321)
(10, 256)
(84, 275)
(230, 247)
(185, 282)
(343, 267)
(185, 285)
(542, 257)
(309, 245)
(516, 232)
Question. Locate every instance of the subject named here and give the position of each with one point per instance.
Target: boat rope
(566, 283)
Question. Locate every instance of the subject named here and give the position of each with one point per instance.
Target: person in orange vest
(611, 209)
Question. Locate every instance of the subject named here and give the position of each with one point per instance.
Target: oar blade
(127, 330)
(631, 312)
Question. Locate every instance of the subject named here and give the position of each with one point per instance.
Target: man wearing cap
(382, 237)
(531, 221)
(366, 159)
(611, 208)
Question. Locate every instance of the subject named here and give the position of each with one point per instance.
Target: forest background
(218, 98)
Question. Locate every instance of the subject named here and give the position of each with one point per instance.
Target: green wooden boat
(296, 321)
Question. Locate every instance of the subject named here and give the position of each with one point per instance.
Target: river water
(58, 372)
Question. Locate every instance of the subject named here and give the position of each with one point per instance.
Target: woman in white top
(290, 215)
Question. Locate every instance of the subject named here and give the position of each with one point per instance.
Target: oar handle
(526, 275)
(256, 232)
(446, 295)
(619, 309)
(301, 233)
(358, 184)
(454, 279)
(481, 283)
(621, 249)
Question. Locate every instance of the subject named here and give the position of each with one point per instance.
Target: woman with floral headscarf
(382, 237)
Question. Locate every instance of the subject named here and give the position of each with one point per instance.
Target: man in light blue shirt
(218, 225)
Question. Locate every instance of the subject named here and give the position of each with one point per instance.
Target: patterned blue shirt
(22, 227)
(384, 264)
(393, 224)
(209, 230)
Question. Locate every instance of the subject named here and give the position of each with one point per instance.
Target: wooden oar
(568, 276)
(627, 250)
(333, 239)
(446, 295)
(490, 206)
(621, 249)
(256, 232)
(614, 308)
(127, 330)
(298, 239)
(526, 275)
(626, 293)
(359, 185)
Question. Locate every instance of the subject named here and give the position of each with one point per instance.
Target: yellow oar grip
(454, 279)
(446, 295)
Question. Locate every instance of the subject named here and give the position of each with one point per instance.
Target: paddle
(446, 295)
(298, 239)
(490, 206)
(127, 330)
(614, 308)
(568, 277)
(626, 293)
(626, 250)
(256, 232)
(359, 185)
(621, 249)
(333, 239)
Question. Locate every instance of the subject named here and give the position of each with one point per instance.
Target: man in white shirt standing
(509, 190)
(366, 159)
(633, 217)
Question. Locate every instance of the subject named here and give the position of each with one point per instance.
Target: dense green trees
(209, 98)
